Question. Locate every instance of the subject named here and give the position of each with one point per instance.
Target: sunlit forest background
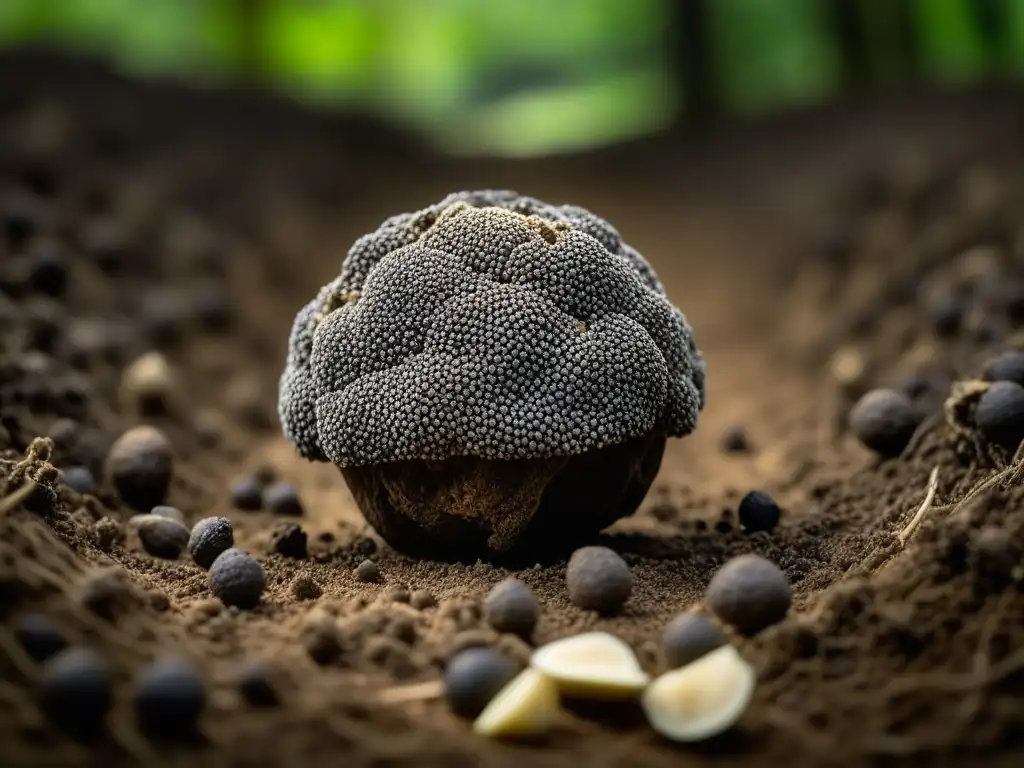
(536, 76)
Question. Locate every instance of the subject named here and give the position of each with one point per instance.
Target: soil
(807, 251)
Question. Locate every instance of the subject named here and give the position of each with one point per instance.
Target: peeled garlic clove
(527, 706)
(702, 699)
(594, 665)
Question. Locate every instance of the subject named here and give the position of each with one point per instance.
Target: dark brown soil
(807, 253)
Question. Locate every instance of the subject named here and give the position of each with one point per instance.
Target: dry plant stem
(933, 484)
(17, 498)
(1013, 471)
(401, 694)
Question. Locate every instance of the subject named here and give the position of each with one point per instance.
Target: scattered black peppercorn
(76, 693)
(750, 593)
(169, 699)
(598, 580)
(473, 677)
(512, 607)
(759, 512)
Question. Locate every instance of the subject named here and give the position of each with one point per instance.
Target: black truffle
(750, 593)
(598, 580)
(486, 330)
(688, 637)
(283, 499)
(512, 607)
(237, 579)
(210, 537)
(80, 480)
(247, 494)
(39, 636)
(1008, 366)
(162, 536)
(473, 677)
(884, 421)
(1000, 414)
(759, 512)
(368, 572)
(76, 693)
(140, 464)
(169, 699)
(255, 683)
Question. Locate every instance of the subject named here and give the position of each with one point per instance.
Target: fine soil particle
(818, 258)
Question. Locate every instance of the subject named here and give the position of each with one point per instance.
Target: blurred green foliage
(527, 76)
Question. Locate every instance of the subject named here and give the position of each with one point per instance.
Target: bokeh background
(533, 77)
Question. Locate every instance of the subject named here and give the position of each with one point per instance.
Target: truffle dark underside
(464, 506)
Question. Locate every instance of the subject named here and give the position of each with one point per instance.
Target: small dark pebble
(169, 699)
(255, 683)
(80, 480)
(283, 499)
(368, 572)
(598, 579)
(947, 314)
(107, 532)
(140, 464)
(246, 494)
(172, 513)
(76, 693)
(759, 512)
(688, 637)
(237, 579)
(304, 588)
(884, 421)
(210, 537)
(323, 642)
(421, 599)
(1008, 366)
(1000, 414)
(512, 607)
(162, 536)
(473, 677)
(39, 636)
(750, 593)
(289, 540)
(735, 440)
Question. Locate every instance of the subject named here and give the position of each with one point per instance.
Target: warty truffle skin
(490, 325)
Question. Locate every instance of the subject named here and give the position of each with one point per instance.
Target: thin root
(915, 521)
(14, 500)
(401, 694)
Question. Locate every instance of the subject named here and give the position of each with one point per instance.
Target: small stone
(947, 314)
(884, 420)
(735, 440)
(246, 494)
(172, 513)
(148, 385)
(283, 499)
(593, 665)
(140, 465)
(237, 579)
(999, 414)
(421, 599)
(76, 692)
(169, 699)
(210, 537)
(529, 705)
(289, 540)
(368, 572)
(161, 536)
(750, 593)
(512, 607)
(702, 699)
(473, 677)
(39, 636)
(304, 588)
(80, 480)
(322, 642)
(598, 580)
(1008, 366)
(255, 683)
(759, 512)
(688, 637)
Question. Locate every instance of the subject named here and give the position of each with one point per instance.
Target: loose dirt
(805, 251)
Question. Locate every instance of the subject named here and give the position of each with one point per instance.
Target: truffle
(512, 607)
(759, 512)
(169, 698)
(1008, 366)
(237, 579)
(999, 414)
(161, 536)
(247, 494)
(209, 538)
(490, 372)
(688, 637)
(598, 580)
(750, 593)
(39, 636)
(473, 677)
(76, 691)
(283, 499)
(884, 420)
(139, 464)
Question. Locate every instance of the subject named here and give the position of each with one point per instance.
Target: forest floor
(806, 251)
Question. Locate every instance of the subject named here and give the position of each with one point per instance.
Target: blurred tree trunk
(250, 31)
(689, 47)
(847, 24)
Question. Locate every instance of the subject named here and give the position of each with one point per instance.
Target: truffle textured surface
(209, 538)
(237, 578)
(1000, 414)
(491, 325)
